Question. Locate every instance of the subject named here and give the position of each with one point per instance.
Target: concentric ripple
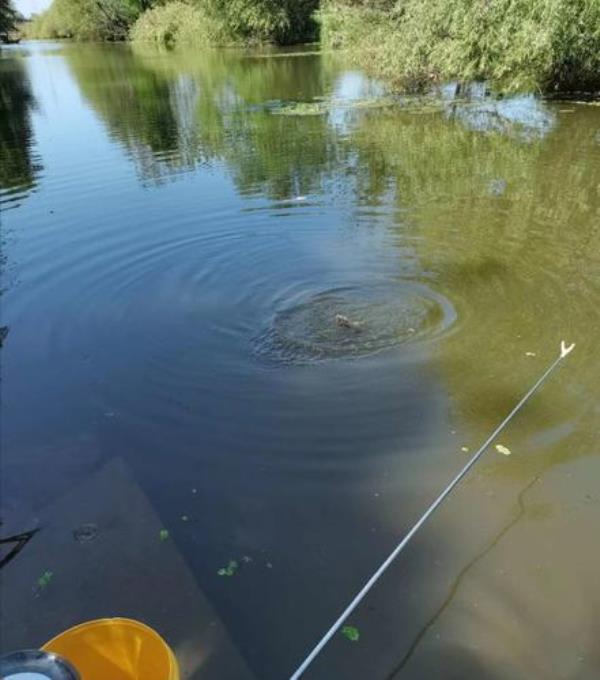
(355, 321)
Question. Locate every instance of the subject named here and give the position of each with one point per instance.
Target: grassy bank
(518, 44)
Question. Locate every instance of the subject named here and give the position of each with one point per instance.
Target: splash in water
(354, 322)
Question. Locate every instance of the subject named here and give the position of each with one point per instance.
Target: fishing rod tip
(566, 349)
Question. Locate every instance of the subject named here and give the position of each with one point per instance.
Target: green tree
(280, 21)
(8, 19)
(214, 21)
(87, 19)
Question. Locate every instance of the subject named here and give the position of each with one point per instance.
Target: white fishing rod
(564, 351)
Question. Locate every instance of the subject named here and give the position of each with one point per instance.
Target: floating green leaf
(351, 633)
(45, 579)
(229, 570)
(163, 534)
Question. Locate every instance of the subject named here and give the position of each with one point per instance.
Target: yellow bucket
(116, 649)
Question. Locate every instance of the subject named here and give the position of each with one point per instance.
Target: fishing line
(564, 351)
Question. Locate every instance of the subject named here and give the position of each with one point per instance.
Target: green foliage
(163, 534)
(177, 23)
(87, 19)
(170, 22)
(351, 633)
(519, 44)
(280, 21)
(218, 22)
(8, 17)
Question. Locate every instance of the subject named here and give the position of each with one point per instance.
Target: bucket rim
(119, 621)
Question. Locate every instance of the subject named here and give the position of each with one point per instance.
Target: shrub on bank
(278, 21)
(220, 22)
(176, 23)
(519, 44)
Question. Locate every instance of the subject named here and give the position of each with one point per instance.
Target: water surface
(179, 231)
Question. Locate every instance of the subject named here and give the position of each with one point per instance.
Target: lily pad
(229, 570)
(351, 633)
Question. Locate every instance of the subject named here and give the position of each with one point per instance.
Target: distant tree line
(519, 44)
(171, 21)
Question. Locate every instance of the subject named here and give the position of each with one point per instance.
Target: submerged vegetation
(518, 44)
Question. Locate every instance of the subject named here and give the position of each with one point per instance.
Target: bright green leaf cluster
(351, 633)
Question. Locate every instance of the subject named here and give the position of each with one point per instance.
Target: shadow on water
(425, 630)
(523, 270)
(18, 169)
(213, 221)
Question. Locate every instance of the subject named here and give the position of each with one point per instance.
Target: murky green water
(179, 232)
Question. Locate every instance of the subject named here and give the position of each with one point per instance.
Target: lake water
(179, 232)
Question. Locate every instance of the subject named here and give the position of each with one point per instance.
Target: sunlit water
(177, 240)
